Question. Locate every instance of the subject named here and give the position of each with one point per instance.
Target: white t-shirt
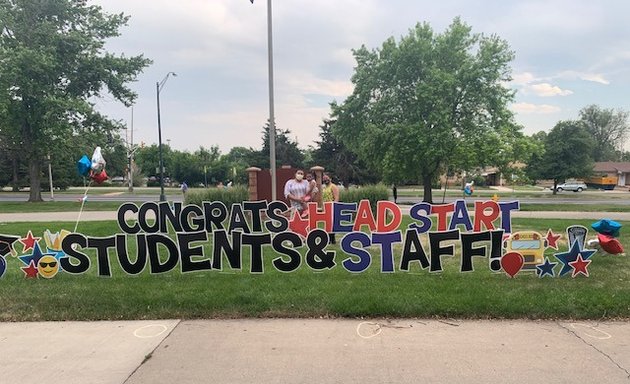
(297, 189)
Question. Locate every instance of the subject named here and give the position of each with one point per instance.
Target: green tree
(53, 62)
(609, 129)
(337, 159)
(568, 149)
(512, 152)
(535, 164)
(427, 102)
(287, 150)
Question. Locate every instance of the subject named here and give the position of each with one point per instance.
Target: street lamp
(272, 120)
(158, 88)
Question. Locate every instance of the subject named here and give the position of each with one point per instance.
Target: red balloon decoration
(512, 263)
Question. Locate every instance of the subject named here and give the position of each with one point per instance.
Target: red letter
(314, 216)
(481, 217)
(381, 216)
(364, 217)
(442, 211)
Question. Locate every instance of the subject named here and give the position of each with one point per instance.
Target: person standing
(330, 192)
(296, 190)
(395, 192)
(184, 188)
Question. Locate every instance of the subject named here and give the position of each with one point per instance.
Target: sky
(568, 54)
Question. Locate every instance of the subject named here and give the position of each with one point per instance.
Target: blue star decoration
(35, 256)
(546, 268)
(572, 255)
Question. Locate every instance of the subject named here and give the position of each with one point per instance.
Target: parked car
(575, 186)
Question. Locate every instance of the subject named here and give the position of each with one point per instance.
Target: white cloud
(523, 78)
(539, 109)
(595, 77)
(586, 76)
(548, 90)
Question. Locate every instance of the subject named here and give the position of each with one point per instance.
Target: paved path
(111, 215)
(315, 351)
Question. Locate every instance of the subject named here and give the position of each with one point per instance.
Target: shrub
(235, 194)
(373, 193)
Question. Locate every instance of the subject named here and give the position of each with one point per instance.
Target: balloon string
(82, 204)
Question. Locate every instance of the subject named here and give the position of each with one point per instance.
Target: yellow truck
(601, 182)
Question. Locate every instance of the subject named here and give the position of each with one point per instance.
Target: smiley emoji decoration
(48, 266)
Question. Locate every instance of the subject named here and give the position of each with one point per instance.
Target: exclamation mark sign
(496, 250)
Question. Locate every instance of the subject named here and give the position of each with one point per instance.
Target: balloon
(609, 244)
(468, 188)
(98, 162)
(607, 227)
(84, 165)
(99, 177)
(512, 263)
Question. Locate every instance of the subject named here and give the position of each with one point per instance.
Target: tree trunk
(555, 186)
(428, 193)
(34, 172)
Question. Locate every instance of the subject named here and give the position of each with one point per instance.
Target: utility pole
(131, 150)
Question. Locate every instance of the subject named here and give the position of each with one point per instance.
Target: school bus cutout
(531, 245)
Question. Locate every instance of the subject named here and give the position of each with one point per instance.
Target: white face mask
(299, 177)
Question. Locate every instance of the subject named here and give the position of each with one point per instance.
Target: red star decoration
(30, 271)
(299, 225)
(580, 266)
(552, 240)
(29, 241)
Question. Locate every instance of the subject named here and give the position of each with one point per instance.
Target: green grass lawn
(307, 293)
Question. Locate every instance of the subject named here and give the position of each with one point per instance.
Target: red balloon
(610, 244)
(512, 263)
(99, 177)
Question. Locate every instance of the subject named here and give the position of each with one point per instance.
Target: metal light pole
(272, 120)
(158, 88)
(131, 151)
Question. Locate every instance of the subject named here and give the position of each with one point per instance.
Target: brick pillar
(253, 183)
(319, 173)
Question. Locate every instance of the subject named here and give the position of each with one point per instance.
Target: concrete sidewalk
(111, 215)
(320, 351)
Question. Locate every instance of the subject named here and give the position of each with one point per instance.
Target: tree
(513, 151)
(427, 102)
(568, 149)
(287, 150)
(53, 62)
(535, 164)
(337, 159)
(609, 129)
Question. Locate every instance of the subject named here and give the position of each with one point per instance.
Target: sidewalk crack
(597, 349)
(150, 354)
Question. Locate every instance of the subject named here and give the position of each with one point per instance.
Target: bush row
(235, 194)
(374, 193)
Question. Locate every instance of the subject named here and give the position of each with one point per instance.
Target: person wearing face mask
(330, 192)
(296, 190)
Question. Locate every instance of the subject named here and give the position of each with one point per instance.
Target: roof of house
(612, 166)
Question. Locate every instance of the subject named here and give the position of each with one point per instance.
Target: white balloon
(98, 162)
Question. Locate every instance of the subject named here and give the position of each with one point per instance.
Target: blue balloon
(84, 165)
(607, 227)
